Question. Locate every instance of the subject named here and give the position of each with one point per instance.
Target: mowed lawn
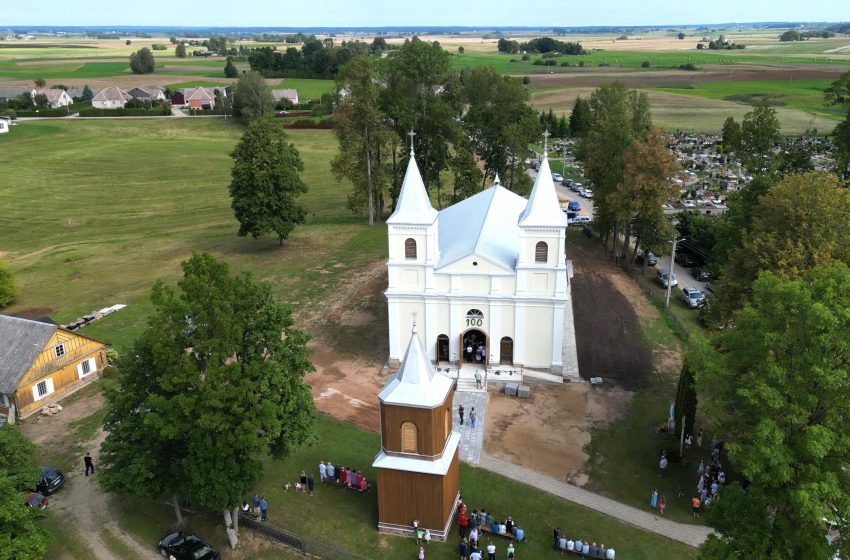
(95, 211)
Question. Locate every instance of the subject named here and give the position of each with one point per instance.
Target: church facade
(486, 279)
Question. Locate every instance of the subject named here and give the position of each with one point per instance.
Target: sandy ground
(548, 431)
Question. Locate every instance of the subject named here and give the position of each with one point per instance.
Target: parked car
(557, 177)
(651, 259)
(576, 187)
(700, 274)
(36, 501)
(689, 204)
(588, 193)
(534, 165)
(574, 206)
(567, 182)
(685, 260)
(186, 546)
(662, 276)
(52, 480)
(581, 221)
(692, 297)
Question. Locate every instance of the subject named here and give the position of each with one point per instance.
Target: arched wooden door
(442, 348)
(506, 351)
(472, 342)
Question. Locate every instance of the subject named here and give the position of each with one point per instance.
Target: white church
(486, 280)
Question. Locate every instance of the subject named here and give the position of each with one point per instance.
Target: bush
(159, 47)
(645, 64)
(526, 80)
(538, 62)
(9, 113)
(526, 57)
(690, 66)
(8, 287)
(566, 63)
(604, 64)
(581, 63)
(550, 63)
(63, 112)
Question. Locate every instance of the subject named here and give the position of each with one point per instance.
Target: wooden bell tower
(417, 467)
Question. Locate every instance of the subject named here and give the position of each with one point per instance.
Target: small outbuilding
(290, 95)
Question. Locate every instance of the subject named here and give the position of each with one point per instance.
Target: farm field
(687, 112)
(122, 203)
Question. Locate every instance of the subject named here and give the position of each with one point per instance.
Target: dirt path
(86, 506)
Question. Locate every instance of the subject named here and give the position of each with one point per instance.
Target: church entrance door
(473, 346)
(506, 351)
(442, 348)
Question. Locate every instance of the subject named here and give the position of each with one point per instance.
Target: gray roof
(9, 92)
(23, 340)
(543, 209)
(484, 225)
(111, 93)
(413, 206)
(279, 94)
(416, 384)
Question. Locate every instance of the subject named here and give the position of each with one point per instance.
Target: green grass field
(307, 88)
(629, 59)
(112, 206)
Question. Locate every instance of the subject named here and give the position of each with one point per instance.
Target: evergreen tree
(212, 387)
(265, 181)
(87, 93)
(731, 135)
(686, 401)
(230, 70)
(580, 118)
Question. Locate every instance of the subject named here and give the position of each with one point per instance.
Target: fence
(302, 544)
(658, 294)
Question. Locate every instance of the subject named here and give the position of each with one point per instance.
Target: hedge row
(63, 112)
(155, 112)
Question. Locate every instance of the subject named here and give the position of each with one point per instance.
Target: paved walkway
(691, 535)
(471, 439)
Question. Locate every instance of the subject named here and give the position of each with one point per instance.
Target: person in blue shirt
(520, 534)
(264, 509)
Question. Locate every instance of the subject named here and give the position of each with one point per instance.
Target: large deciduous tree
(838, 93)
(499, 124)
(362, 134)
(266, 181)
(620, 117)
(142, 62)
(464, 168)
(759, 136)
(801, 222)
(251, 97)
(180, 50)
(212, 386)
(776, 388)
(21, 535)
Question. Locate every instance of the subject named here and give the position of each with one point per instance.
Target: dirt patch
(350, 345)
(34, 313)
(608, 307)
(548, 431)
(51, 432)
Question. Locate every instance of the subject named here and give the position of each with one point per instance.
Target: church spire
(414, 205)
(543, 208)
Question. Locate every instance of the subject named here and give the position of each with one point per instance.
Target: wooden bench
(487, 529)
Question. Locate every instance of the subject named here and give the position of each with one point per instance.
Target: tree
(619, 118)
(251, 98)
(141, 61)
(180, 51)
(500, 124)
(212, 387)
(686, 401)
(230, 70)
(759, 136)
(87, 93)
(40, 83)
(40, 101)
(21, 533)
(775, 388)
(580, 117)
(467, 175)
(838, 93)
(796, 157)
(731, 135)
(461, 50)
(680, 36)
(801, 222)
(265, 181)
(790, 35)
(362, 134)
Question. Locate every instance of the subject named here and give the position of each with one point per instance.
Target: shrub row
(62, 112)
(156, 111)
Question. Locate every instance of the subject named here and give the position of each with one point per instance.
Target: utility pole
(670, 272)
(682, 439)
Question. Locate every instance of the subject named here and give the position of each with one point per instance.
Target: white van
(580, 221)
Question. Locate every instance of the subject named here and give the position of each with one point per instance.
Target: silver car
(692, 297)
(662, 275)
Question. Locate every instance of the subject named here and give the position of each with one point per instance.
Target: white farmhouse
(489, 271)
(110, 98)
(57, 97)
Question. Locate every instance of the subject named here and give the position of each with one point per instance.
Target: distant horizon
(373, 14)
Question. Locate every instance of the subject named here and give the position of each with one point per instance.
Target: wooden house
(41, 363)
(417, 467)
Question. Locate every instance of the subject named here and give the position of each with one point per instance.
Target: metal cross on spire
(545, 142)
(413, 329)
(411, 134)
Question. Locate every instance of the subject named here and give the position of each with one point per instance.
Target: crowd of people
(473, 525)
(581, 547)
(343, 477)
(709, 479)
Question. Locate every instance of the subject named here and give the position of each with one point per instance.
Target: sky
(375, 13)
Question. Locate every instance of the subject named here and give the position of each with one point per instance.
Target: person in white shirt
(491, 551)
(571, 546)
(578, 545)
(609, 554)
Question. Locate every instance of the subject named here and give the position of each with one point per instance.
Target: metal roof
(543, 209)
(414, 464)
(414, 206)
(416, 384)
(484, 225)
(22, 341)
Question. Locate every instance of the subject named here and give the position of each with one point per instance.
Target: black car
(700, 274)
(52, 480)
(186, 546)
(685, 260)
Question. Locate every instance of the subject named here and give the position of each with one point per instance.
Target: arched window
(410, 248)
(541, 252)
(408, 437)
